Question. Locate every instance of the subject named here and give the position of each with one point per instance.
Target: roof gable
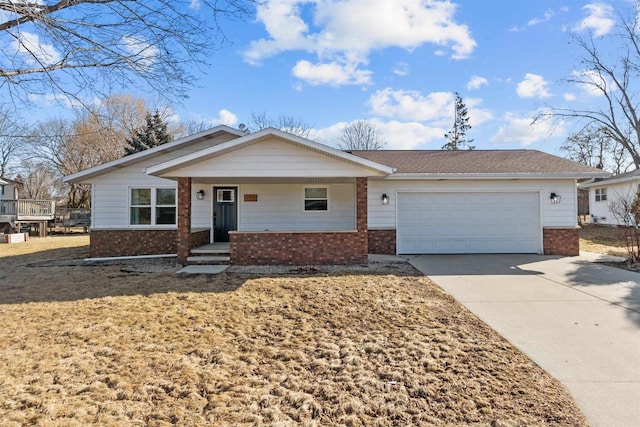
(185, 163)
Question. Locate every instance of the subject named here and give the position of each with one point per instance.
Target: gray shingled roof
(475, 161)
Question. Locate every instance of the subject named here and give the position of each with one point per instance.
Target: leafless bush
(626, 209)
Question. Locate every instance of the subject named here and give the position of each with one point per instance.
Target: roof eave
(605, 182)
(488, 176)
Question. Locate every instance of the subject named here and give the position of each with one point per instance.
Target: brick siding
(561, 241)
(382, 242)
(297, 248)
(108, 243)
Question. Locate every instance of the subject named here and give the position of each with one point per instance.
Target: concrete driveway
(577, 319)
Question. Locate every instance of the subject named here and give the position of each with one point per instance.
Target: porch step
(203, 250)
(208, 259)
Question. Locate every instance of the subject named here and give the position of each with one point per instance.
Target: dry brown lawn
(603, 239)
(99, 345)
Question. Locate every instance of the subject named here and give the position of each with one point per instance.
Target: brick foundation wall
(561, 241)
(108, 243)
(289, 248)
(382, 242)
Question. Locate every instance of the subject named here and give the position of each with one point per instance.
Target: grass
(99, 345)
(603, 239)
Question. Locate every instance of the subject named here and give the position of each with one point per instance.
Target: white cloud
(436, 107)
(225, 117)
(399, 135)
(569, 97)
(599, 19)
(401, 69)
(35, 52)
(332, 74)
(195, 5)
(412, 105)
(476, 82)
(345, 32)
(535, 21)
(533, 86)
(144, 52)
(524, 131)
(592, 81)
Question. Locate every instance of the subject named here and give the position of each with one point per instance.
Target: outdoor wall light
(200, 195)
(385, 199)
(555, 198)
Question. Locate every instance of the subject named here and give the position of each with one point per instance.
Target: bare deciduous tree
(68, 49)
(68, 146)
(361, 135)
(594, 147)
(286, 123)
(11, 139)
(614, 79)
(38, 180)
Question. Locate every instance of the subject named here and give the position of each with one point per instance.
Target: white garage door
(454, 223)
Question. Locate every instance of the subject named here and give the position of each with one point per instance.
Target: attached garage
(478, 222)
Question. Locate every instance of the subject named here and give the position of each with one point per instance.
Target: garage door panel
(468, 223)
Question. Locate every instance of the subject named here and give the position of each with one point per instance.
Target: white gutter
(606, 182)
(467, 176)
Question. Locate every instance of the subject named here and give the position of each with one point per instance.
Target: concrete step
(208, 259)
(206, 251)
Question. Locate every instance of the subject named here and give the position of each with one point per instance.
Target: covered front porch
(267, 224)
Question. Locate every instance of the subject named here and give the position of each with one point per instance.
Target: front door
(225, 212)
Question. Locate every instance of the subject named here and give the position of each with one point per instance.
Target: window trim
(153, 206)
(304, 199)
(600, 194)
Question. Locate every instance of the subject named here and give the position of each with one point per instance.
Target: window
(601, 194)
(152, 206)
(225, 196)
(316, 199)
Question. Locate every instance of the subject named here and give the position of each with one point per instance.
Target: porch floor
(212, 248)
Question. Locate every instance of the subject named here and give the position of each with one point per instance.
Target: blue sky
(398, 62)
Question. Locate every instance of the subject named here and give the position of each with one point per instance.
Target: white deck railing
(26, 209)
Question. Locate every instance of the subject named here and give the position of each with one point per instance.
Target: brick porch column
(184, 219)
(361, 213)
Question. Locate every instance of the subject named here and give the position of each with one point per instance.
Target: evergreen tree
(153, 134)
(457, 136)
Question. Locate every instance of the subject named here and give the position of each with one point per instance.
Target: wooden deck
(26, 210)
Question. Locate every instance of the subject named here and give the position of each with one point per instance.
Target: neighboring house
(604, 192)
(281, 199)
(8, 189)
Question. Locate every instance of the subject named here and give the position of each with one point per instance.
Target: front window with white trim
(601, 194)
(316, 199)
(152, 206)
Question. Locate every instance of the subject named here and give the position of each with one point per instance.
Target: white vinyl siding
(110, 208)
(481, 222)
(272, 158)
(280, 208)
(599, 210)
(563, 214)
